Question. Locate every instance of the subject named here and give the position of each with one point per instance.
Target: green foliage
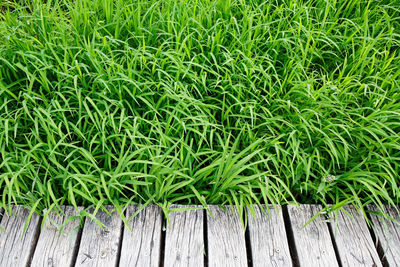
(199, 102)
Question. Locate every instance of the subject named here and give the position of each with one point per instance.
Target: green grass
(199, 102)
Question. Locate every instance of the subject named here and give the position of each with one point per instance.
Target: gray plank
(55, 248)
(313, 243)
(354, 242)
(268, 239)
(387, 233)
(16, 247)
(184, 241)
(142, 245)
(225, 238)
(99, 247)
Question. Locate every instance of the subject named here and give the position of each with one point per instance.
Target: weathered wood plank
(268, 239)
(313, 243)
(184, 241)
(225, 238)
(16, 247)
(354, 242)
(387, 233)
(54, 248)
(142, 245)
(99, 247)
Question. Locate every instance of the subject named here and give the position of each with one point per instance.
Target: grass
(199, 102)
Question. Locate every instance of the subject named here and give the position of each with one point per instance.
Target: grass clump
(199, 102)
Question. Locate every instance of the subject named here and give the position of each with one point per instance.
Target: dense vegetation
(199, 101)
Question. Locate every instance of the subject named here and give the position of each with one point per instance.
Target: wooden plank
(313, 243)
(142, 245)
(387, 233)
(99, 247)
(184, 241)
(16, 247)
(55, 248)
(354, 242)
(268, 239)
(225, 238)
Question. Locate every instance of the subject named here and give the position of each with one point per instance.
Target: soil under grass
(199, 102)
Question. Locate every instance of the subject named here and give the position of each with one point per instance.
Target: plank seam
(377, 242)
(290, 237)
(162, 241)
(205, 237)
(248, 245)
(34, 241)
(335, 248)
(77, 245)
(121, 238)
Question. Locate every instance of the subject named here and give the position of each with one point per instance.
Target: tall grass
(199, 102)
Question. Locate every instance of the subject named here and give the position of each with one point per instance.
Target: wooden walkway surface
(195, 238)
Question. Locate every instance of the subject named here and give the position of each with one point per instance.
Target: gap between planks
(218, 241)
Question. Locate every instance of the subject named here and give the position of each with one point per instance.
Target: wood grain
(99, 247)
(184, 239)
(354, 242)
(55, 248)
(184, 242)
(225, 238)
(142, 245)
(387, 233)
(17, 247)
(268, 239)
(313, 243)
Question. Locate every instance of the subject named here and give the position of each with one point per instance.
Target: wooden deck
(195, 238)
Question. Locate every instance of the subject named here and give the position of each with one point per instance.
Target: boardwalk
(199, 238)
